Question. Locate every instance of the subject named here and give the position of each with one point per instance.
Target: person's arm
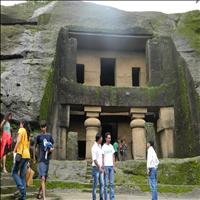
(35, 148)
(149, 158)
(94, 157)
(2, 123)
(113, 152)
(34, 152)
(17, 143)
(102, 161)
(52, 141)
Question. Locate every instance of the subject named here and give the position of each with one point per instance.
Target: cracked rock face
(27, 51)
(22, 88)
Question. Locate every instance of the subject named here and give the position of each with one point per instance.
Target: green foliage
(47, 97)
(190, 28)
(9, 162)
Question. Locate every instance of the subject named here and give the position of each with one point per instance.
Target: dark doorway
(107, 71)
(80, 73)
(135, 76)
(81, 150)
(109, 127)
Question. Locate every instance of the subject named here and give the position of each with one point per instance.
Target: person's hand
(51, 150)
(148, 172)
(114, 169)
(34, 161)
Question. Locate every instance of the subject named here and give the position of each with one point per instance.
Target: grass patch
(63, 185)
(177, 189)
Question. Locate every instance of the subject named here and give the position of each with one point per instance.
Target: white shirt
(97, 154)
(108, 152)
(152, 159)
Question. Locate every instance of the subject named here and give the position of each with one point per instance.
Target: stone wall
(125, 61)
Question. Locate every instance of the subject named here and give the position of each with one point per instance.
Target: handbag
(29, 176)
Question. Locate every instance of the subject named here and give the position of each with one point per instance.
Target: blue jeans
(97, 177)
(109, 176)
(153, 183)
(20, 180)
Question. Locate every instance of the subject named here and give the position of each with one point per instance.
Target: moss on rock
(47, 97)
(170, 171)
(190, 28)
(44, 19)
(24, 10)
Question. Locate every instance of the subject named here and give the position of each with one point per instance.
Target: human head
(98, 138)
(43, 126)
(150, 144)
(108, 137)
(8, 117)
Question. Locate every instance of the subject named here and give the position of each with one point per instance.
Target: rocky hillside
(28, 39)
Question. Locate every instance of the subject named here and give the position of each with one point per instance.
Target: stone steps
(10, 196)
(8, 188)
(7, 181)
(88, 175)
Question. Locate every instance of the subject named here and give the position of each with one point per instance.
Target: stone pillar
(62, 144)
(92, 127)
(92, 124)
(165, 127)
(138, 133)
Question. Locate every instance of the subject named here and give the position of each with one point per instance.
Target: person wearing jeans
(97, 167)
(20, 165)
(97, 177)
(20, 180)
(108, 161)
(152, 165)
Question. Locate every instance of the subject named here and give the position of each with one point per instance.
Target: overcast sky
(161, 6)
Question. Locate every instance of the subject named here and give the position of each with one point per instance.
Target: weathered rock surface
(28, 50)
(72, 171)
(72, 146)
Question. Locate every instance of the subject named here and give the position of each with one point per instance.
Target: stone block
(72, 146)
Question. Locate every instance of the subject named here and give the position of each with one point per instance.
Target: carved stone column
(138, 133)
(92, 124)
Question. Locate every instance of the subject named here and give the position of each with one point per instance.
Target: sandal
(17, 193)
(5, 171)
(39, 196)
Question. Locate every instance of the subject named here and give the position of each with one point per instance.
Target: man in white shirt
(97, 167)
(152, 165)
(108, 160)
